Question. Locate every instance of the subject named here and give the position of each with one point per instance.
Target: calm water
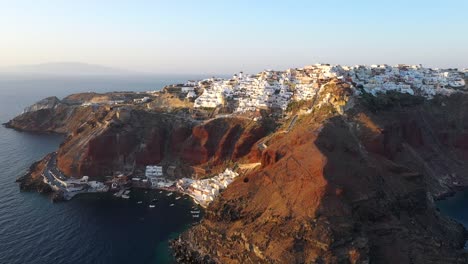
(90, 228)
(457, 208)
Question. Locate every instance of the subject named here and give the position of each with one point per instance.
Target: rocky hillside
(346, 178)
(104, 140)
(352, 188)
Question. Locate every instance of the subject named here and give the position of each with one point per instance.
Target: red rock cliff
(354, 188)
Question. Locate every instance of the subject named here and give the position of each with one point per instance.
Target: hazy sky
(224, 36)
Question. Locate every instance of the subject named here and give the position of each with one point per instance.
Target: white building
(153, 171)
(276, 89)
(154, 174)
(205, 191)
(191, 94)
(142, 100)
(186, 89)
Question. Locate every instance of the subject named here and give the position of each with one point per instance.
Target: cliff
(353, 188)
(154, 138)
(343, 179)
(32, 180)
(51, 115)
(104, 140)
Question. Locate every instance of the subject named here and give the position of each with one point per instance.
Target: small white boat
(160, 191)
(195, 216)
(169, 194)
(125, 196)
(178, 197)
(139, 202)
(195, 212)
(151, 206)
(119, 193)
(171, 204)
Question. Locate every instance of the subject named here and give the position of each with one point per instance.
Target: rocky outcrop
(223, 139)
(62, 119)
(102, 140)
(156, 138)
(354, 188)
(47, 103)
(32, 180)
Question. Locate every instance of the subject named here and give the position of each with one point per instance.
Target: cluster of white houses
(205, 191)
(154, 174)
(275, 89)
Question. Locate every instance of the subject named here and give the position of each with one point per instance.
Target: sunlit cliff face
(341, 188)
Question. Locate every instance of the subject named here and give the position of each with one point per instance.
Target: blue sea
(94, 228)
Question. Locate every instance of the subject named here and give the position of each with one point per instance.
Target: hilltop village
(276, 89)
(243, 95)
(272, 89)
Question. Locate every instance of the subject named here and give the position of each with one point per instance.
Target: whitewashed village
(276, 89)
(244, 94)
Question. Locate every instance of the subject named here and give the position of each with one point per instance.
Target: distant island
(65, 68)
(320, 164)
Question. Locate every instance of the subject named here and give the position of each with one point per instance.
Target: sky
(220, 37)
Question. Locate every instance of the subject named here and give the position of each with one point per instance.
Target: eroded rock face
(160, 139)
(60, 119)
(222, 139)
(104, 140)
(47, 103)
(357, 188)
(32, 181)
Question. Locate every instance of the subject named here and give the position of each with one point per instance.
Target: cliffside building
(154, 174)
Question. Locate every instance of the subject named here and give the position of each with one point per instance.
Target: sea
(456, 207)
(91, 228)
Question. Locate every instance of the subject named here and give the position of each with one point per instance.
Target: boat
(119, 193)
(178, 197)
(139, 202)
(126, 192)
(125, 196)
(169, 194)
(171, 204)
(160, 191)
(195, 216)
(152, 206)
(195, 212)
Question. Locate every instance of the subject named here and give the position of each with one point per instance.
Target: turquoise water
(94, 228)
